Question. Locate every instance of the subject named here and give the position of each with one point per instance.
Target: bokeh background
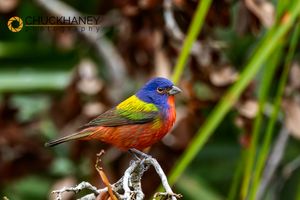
(51, 82)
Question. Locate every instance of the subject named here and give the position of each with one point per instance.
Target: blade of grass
(264, 88)
(237, 177)
(298, 191)
(194, 29)
(271, 125)
(281, 6)
(260, 56)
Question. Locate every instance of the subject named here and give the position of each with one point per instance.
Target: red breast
(137, 136)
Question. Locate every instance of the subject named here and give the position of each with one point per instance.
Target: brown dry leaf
(294, 75)
(93, 109)
(239, 122)
(7, 6)
(89, 82)
(103, 176)
(224, 76)
(263, 10)
(292, 117)
(179, 3)
(162, 64)
(245, 140)
(130, 10)
(103, 196)
(148, 4)
(246, 21)
(248, 108)
(65, 40)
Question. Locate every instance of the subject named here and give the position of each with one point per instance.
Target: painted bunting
(137, 122)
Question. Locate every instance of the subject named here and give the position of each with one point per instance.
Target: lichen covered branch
(127, 187)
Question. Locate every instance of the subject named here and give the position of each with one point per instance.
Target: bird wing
(130, 111)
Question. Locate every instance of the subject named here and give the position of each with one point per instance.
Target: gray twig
(273, 162)
(129, 186)
(126, 181)
(161, 174)
(78, 188)
(201, 50)
(291, 167)
(104, 47)
(171, 25)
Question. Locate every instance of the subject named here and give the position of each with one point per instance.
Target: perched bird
(137, 122)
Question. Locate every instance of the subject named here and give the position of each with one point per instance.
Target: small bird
(136, 123)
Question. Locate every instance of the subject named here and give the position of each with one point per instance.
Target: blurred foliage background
(237, 130)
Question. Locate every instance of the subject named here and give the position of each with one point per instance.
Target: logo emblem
(11, 26)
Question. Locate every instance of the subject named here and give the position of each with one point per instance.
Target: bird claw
(139, 155)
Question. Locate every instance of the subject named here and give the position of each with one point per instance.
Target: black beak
(174, 90)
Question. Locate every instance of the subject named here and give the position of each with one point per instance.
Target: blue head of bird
(157, 91)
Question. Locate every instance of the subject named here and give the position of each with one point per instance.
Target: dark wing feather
(117, 117)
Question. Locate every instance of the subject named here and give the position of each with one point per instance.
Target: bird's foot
(139, 155)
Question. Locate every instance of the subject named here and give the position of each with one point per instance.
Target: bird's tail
(74, 136)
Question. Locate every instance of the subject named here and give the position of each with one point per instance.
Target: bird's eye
(160, 90)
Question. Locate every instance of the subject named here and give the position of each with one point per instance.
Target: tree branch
(127, 187)
(78, 188)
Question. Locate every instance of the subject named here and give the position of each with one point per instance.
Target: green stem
(271, 125)
(237, 177)
(260, 56)
(194, 29)
(262, 98)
